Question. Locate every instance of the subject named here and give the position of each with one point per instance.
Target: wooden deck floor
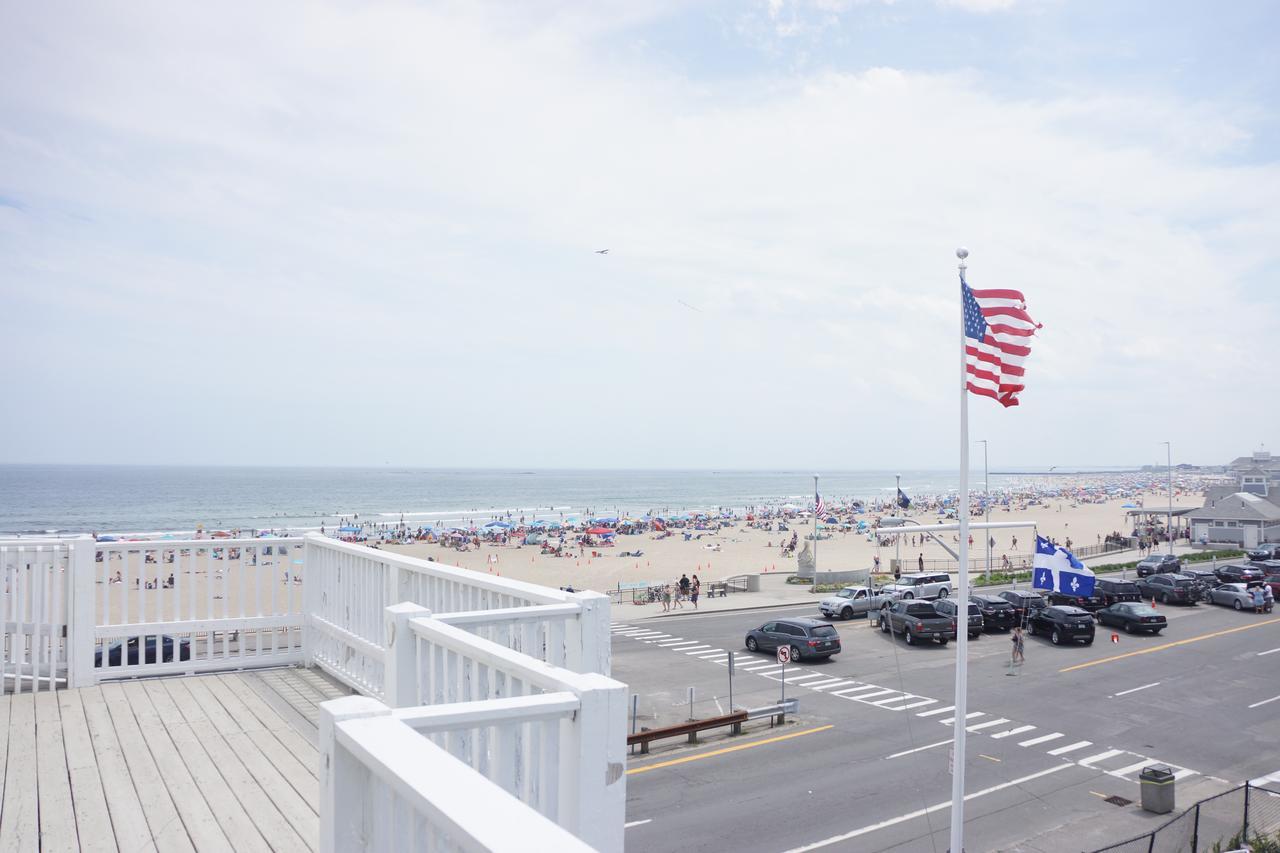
(212, 762)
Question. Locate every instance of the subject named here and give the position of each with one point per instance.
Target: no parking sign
(784, 654)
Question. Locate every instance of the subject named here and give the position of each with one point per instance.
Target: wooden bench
(691, 728)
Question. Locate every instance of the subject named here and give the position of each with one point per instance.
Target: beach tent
(598, 531)
(498, 524)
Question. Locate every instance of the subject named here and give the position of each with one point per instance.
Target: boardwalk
(223, 762)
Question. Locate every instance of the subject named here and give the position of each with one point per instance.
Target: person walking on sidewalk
(694, 589)
(1016, 636)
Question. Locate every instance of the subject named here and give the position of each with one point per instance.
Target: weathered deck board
(53, 783)
(19, 816)
(205, 763)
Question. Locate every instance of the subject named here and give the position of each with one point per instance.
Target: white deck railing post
(81, 614)
(312, 553)
(592, 646)
(342, 777)
(593, 763)
(400, 678)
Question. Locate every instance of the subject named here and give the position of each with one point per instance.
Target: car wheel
(974, 636)
(910, 640)
(1055, 637)
(1155, 632)
(908, 595)
(795, 654)
(1128, 627)
(1164, 598)
(846, 614)
(1088, 642)
(1237, 605)
(944, 592)
(943, 641)
(752, 645)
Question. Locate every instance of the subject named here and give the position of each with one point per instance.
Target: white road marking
(921, 748)
(1268, 652)
(716, 657)
(866, 696)
(676, 645)
(1041, 739)
(818, 685)
(768, 671)
(987, 725)
(637, 823)
(757, 663)
(936, 711)
(880, 703)
(695, 648)
(1263, 780)
(1101, 756)
(804, 676)
(969, 716)
(1183, 772)
(1019, 730)
(1071, 747)
(911, 705)
(930, 810)
(1264, 701)
(857, 689)
(1121, 772)
(676, 641)
(1136, 689)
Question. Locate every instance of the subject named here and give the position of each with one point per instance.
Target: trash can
(1157, 789)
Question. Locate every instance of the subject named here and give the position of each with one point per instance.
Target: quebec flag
(1056, 568)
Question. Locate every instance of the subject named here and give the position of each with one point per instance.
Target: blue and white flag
(903, 500)
(1056, 568)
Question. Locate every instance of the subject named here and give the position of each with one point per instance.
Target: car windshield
(1141, 609)
(906, 582)
(845, 593)
(822, 631)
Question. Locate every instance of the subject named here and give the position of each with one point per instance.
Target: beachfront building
(1242, 518)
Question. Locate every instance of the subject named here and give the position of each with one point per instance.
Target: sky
(355, 233)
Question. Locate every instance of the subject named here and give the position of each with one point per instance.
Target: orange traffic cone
(1153, 602)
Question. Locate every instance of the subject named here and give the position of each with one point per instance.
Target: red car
(1273, 581)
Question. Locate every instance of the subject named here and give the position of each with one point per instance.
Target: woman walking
(1016, 636)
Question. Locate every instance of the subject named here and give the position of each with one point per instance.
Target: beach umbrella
(498, 524)
(598, 531)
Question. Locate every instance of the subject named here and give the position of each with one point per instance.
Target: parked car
(1132, 616)
(950, 607)
(1235, 595)
(1237, 573)
(1265, 551)
(1113, 590)
(1158, 564)
(1268, 567)
(1084, 602)
(917, 621)
(1169, 589)
(1062, 624)
(997, 614)
(1025, 602)
(808, 638)
(855, 601)
(136, 650)
(921, 585)
(1273, 581)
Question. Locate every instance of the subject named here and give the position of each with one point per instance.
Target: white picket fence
(501, 729)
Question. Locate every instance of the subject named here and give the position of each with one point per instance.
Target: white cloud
(979, 6)
(382, 218)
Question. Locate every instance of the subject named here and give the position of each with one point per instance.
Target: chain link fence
(1248, 815)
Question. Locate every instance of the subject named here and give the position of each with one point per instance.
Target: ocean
(37, 499)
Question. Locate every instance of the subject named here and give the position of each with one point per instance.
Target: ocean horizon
(63, 499)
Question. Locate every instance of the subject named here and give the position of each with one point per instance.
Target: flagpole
(962, 598)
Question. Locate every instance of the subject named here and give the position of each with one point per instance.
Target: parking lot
(863, 766)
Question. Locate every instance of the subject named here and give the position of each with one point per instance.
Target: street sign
(784, 654)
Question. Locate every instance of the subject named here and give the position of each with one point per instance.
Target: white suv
(922, 585)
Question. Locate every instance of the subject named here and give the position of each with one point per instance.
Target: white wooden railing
(34, 596)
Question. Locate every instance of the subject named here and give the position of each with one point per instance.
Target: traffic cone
(1153, 602)
(1115, 638)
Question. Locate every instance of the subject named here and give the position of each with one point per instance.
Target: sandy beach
(741, 550)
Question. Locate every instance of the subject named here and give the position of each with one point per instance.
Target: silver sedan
(1235, 595)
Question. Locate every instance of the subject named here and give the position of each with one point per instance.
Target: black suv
(808, 638)
(948, 607)
(1025, 603)
(1084, 602)
(1265, 551)
(1113, 590)
(1236, 573)
(1170, 589)
(1062, 624)
(1159, 564)
(997, 613)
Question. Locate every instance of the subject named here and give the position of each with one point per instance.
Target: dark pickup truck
(917, 621)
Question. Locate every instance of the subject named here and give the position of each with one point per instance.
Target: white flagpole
(962, 598)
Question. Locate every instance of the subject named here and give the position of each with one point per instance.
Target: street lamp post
(815, 528)
(986, 502)
(897, 541)
(1168, 528)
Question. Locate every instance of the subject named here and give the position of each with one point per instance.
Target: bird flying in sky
(602, 251)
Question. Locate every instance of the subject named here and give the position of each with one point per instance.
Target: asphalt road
(863, 766)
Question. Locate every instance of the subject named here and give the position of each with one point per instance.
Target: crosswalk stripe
(702, 652)
(804, 676)
(1183, 772)
(911, 705)
(858, 689)
(936, 711)
(1041, 739)
(839, 682)
(1121, 772)
(987, 725)
(1071, 747)
(882, 702)
(968, 716)
(1101, 756)
(674, 641)
(815, 685)
(698, 648)
(1019, 730)
(866, 696)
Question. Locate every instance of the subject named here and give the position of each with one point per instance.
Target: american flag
(998, 334)
(818, 506)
